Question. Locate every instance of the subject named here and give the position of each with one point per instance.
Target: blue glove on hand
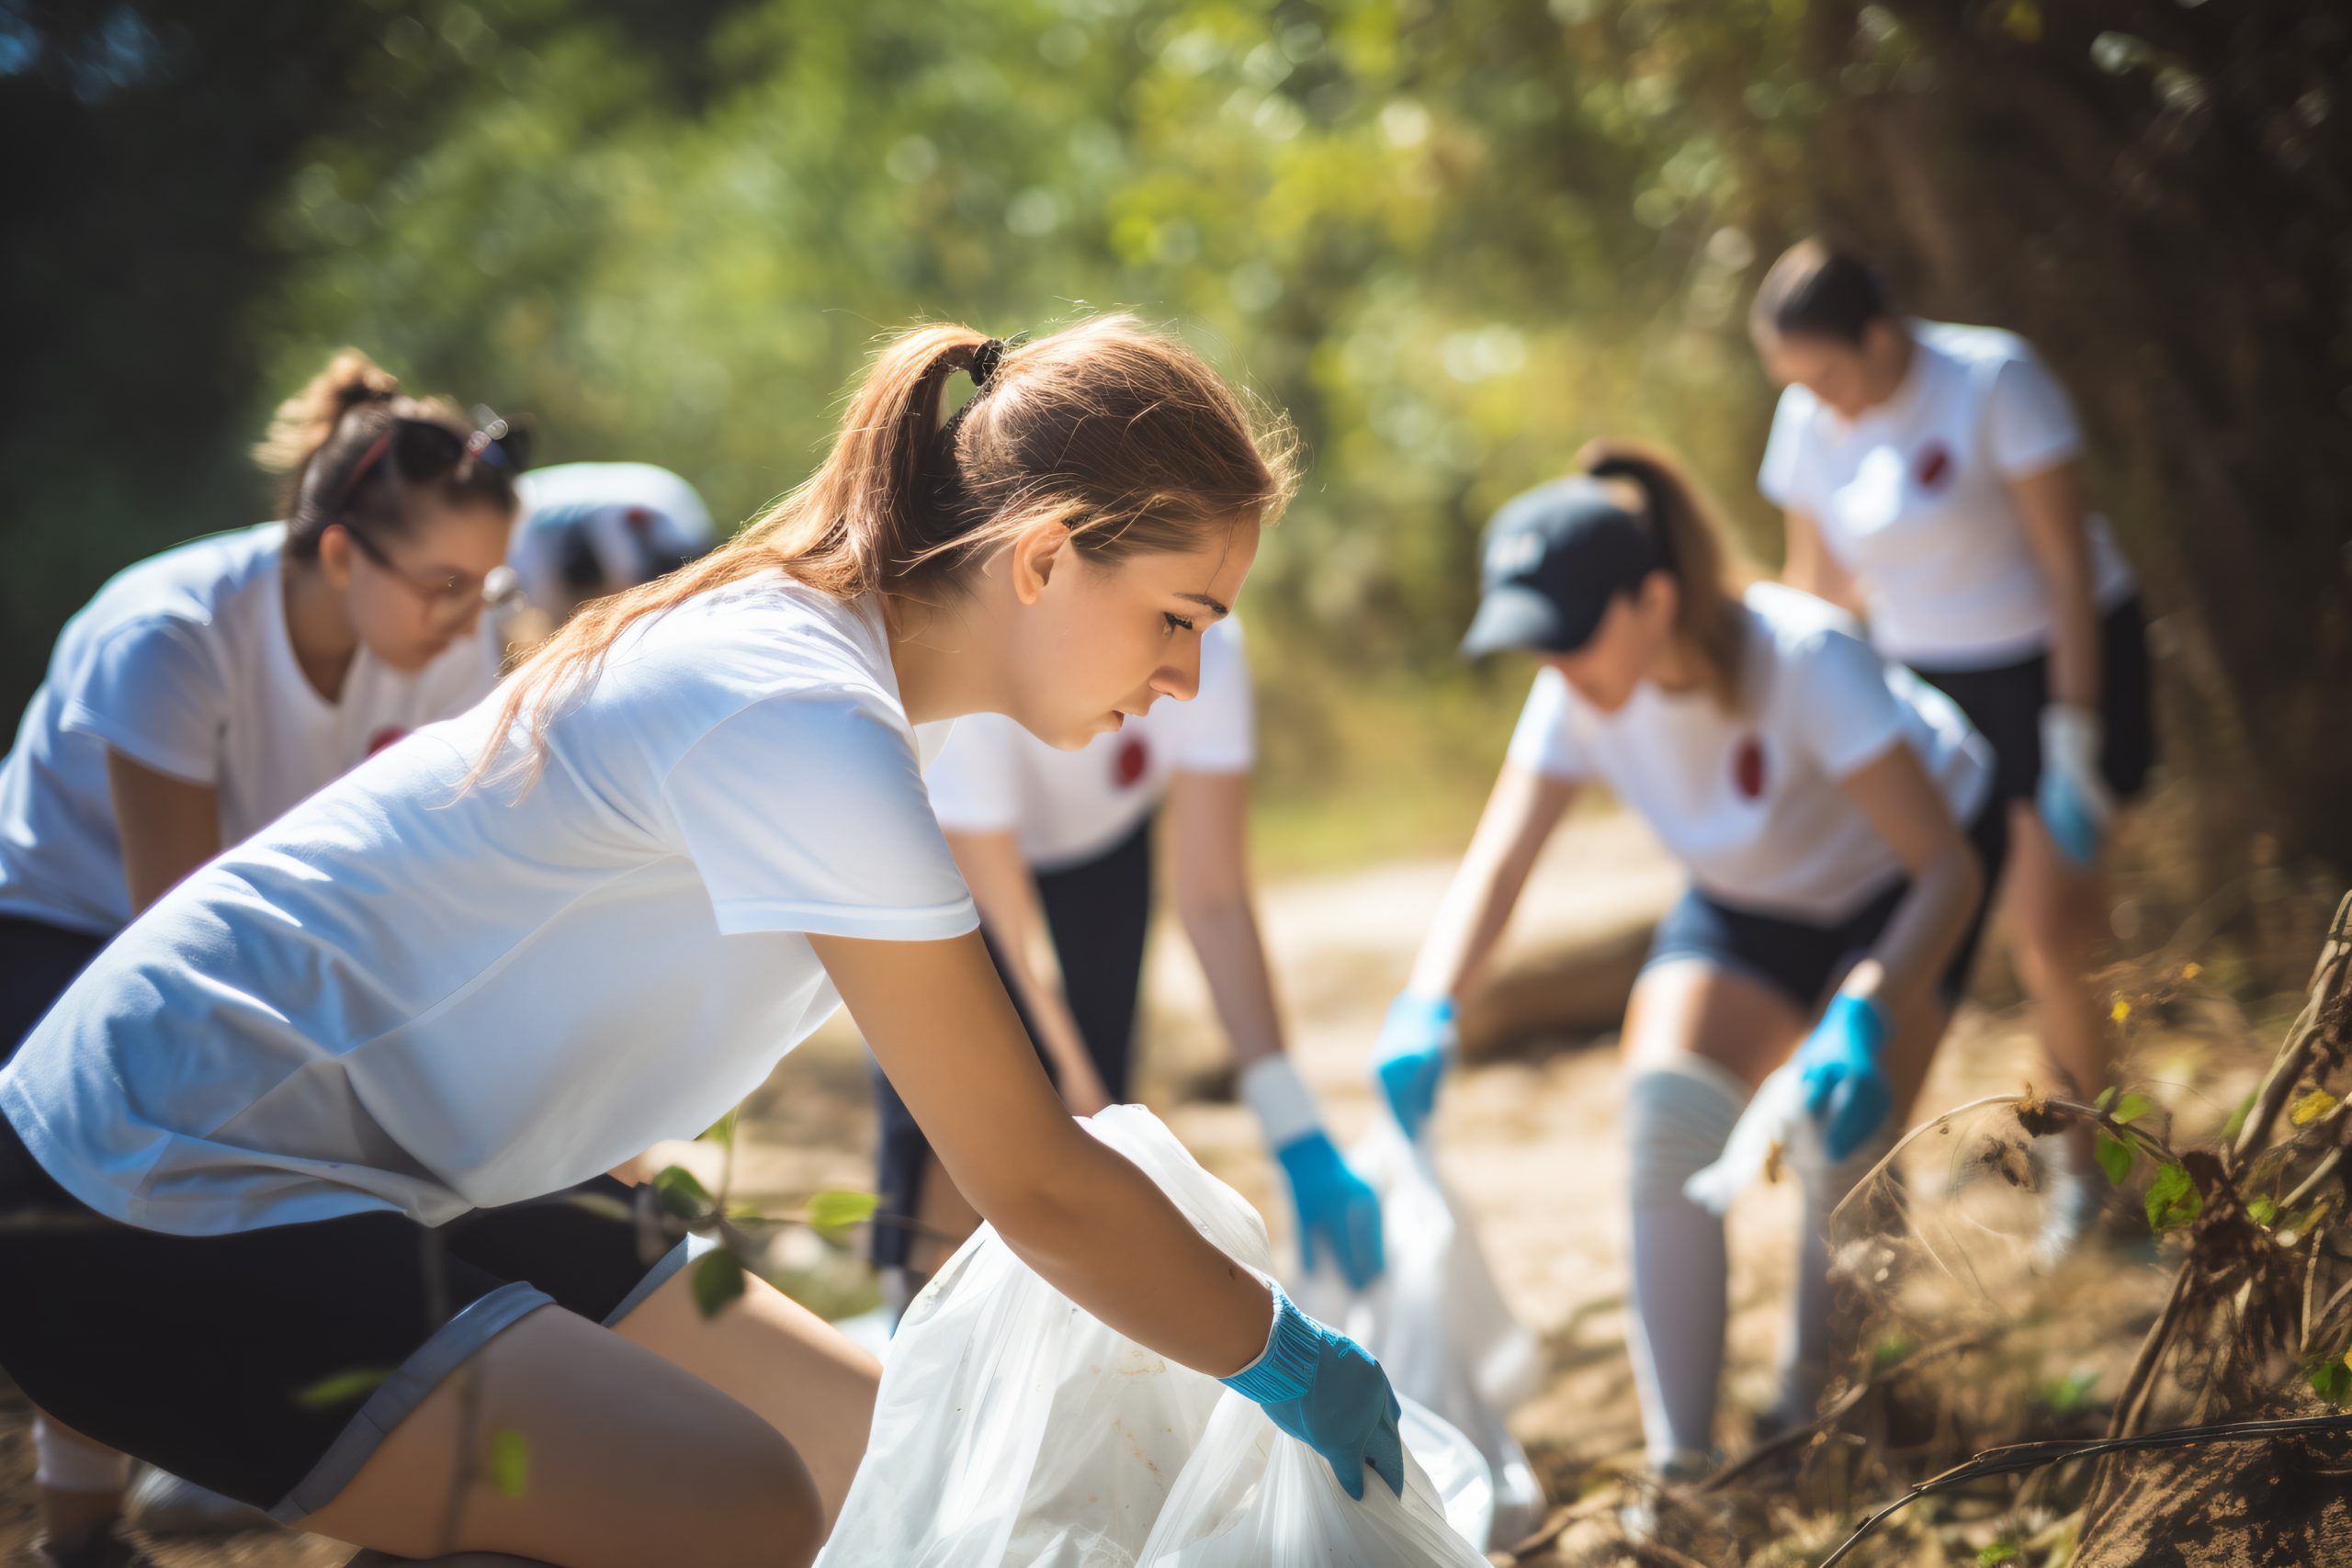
(2072, 796)
(1845, 1089)
(1320, 1387)
(1416, 1042)
(1337, 1209)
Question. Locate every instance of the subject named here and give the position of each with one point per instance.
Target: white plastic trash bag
(1437, 1321)
(1015, 1430)
(1255, 1498)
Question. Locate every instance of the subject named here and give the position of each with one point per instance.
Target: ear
(1036, 551)
(1662, 597)
(335, 553)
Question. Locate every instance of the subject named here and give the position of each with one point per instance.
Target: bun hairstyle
(1696, 548)
(1118, 432)
(356, 452)
(1814, 290)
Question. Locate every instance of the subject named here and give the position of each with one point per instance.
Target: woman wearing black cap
(1818, 800)
(1929, 476)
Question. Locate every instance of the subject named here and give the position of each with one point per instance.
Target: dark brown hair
(355, 451)
(1708, 568)
(1119, 433)
(1817, 291)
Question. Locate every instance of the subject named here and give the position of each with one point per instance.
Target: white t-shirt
(405, 997)
(1751, 803)
(182, 664)
(1912, 497)
(1067, 808)
(624, 511)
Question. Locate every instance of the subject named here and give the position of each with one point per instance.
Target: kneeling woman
(513, 950)
(1817, 799)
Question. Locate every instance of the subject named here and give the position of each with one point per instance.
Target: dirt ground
(1529, 1141)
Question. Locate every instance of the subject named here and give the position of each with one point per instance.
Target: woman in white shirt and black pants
(1834, 816)
(1930, 476)
(205, 691)
(345, 1086)
(1058, 847)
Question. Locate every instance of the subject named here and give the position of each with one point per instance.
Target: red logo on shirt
(385, 737)
(1748, 768)
(1934, 466)
(1127, 767)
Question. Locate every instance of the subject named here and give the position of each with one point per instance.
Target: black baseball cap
(1554, 558)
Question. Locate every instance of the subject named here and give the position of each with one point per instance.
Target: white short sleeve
(1218, 728)
(1847, 715)
(975, 781)
(855, 852)
(153, 692)
(1544, 742)
(2028, 420)
(1784, 448)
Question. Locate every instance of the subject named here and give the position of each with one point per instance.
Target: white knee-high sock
(1810, 1343)
(1678, 1115)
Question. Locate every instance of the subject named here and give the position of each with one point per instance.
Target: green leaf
(682, 1193)
(2106, 1098)
(1998, 1552)
(341, 1388)
(510, 1461)
(721, 1132)
(2262, 1210)
(2237, 1120)
(2130, 1107)
(717, 1280)
(1892, 1348)
(834, 1212)
(2173, 1199)
(2332, 1380)
(2072, 1393)
(2114, 1157)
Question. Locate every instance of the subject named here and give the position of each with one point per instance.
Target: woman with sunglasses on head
(1930, 476)
(1058, 846)
(205, 691)
(1832, 815)
(353, 1080)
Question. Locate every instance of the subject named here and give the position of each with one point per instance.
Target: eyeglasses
(458, 597)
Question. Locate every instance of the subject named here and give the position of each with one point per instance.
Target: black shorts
(1803, 959)
(268, 1364)
(2005, 704)
(38, 960)
(1099, 913)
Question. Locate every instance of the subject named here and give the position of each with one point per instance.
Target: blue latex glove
(2072, 796)
(1417, 1041)
(1845, 1089)
(1338, 1211)
(1320, 1387)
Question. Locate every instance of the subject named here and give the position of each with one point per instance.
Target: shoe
(111, 1550)
(162, 1504)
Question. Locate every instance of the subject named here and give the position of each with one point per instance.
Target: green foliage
(2331, 1379)
(2129, 1107)
(2114, 1157)
(509, 1461)
(2070, 1395)
(2000, 1551)
(2172, 1199)
(832, 1213)
(682, 1193)
(338, 1389)
(717, 1280)
(2262, 1210)
(2238, 1118)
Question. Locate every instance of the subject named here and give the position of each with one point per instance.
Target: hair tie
(985, 360)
